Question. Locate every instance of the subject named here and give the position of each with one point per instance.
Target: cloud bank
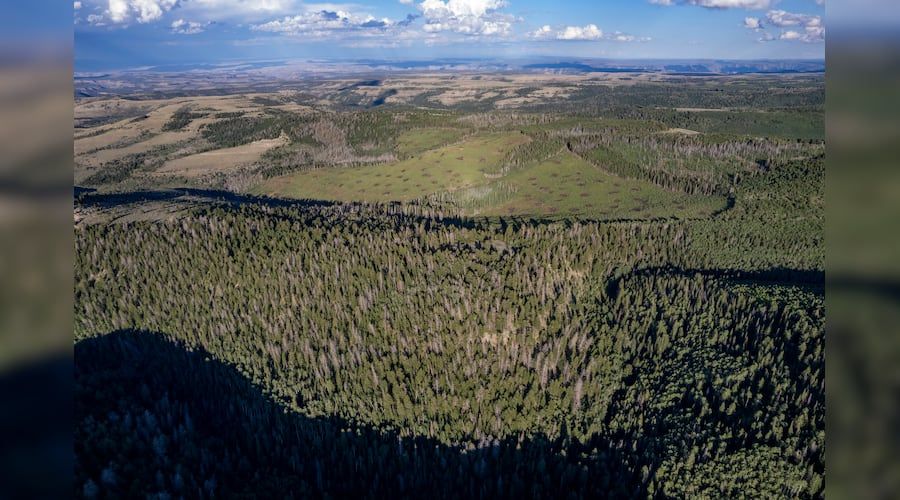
(466, 17)
(794, 27)
(427, 22)
(588, 33)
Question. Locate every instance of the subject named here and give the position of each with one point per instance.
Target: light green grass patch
(568, 185)
(457, 166)
(420, 140)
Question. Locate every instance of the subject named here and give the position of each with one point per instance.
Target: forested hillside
(631, 348)
(552, 303)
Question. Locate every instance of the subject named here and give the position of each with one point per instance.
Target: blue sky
(111, 34)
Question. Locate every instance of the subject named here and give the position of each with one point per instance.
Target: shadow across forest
(809, 279)
(91, 198)
(155, 417)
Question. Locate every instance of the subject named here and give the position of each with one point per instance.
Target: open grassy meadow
(464, 174)
(421, 140)
(448, 168)
(567, 184)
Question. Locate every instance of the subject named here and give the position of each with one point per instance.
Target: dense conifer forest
(238, 345)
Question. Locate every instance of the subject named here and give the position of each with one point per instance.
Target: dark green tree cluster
(709, 165)
(181, 118)
(158, 420)
(542, 146)
(652, 100)
(626, 337)
(377, 131)
(240, 130)
(117, 170)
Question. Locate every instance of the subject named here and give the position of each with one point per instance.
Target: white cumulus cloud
(459, 8)
(809, 34)
(543, 32)
(467, 17)
(249, 10)
(183, 27)
(323, 23)
(801, 27)
(590, 32)
(127, 11)
(783, 19)
(618, 36)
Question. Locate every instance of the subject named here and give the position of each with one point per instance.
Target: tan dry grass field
(220, 160)
(682, 131)
(464, 88)
(142, 130)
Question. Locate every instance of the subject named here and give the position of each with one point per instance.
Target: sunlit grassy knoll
(452, 167)
(421, 140)
(569, 185)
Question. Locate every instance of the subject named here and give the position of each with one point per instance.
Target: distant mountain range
(682, 67)
(246, 76)
(561, 65)
(689, 67)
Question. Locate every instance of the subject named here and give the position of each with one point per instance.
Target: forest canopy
(601, 296)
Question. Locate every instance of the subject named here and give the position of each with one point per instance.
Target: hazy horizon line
(389, 60)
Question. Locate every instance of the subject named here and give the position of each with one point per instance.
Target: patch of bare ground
(454, 97)
(515, 102)
(702, 110)
(682, 131)
(220, 160)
